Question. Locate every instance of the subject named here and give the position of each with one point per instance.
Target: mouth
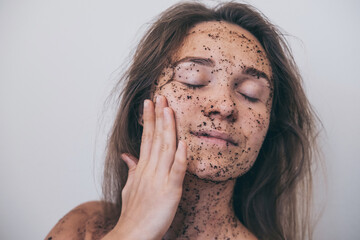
(216, 137)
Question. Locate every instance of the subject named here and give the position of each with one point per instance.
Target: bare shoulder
(85, 221)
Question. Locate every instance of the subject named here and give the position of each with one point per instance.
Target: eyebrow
(198, 60)
(251, 71)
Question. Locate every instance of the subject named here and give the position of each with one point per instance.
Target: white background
(60, 59)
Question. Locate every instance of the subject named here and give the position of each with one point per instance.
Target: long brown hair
(273, 199)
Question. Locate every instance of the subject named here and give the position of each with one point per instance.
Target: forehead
(225, 43)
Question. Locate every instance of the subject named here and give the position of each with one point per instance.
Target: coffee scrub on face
(219, 82)
(214, 137)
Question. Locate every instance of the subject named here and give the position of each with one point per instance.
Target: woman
(223, 148)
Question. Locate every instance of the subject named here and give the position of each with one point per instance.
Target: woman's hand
(154, 186)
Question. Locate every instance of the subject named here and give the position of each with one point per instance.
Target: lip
(215, 137)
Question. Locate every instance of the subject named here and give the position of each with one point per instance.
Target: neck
(205, 210)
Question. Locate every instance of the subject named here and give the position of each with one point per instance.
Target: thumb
(130, 161)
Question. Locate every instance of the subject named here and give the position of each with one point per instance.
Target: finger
(168, 145)
(147, 134)
(158, 133)
(178, 169)
(131, 162)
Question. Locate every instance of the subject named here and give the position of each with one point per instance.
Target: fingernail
(167, 114)
(182, 144)
(158, 99)
(146, 103)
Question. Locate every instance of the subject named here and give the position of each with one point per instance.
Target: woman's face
(219, 88)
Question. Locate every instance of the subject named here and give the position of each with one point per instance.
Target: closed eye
(191, 86)
(250, 99)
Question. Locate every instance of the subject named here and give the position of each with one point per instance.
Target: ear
(141, 120)
(140, 114)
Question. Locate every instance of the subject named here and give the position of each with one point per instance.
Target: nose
(221, 106)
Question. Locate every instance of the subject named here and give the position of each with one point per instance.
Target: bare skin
(205, 212)
(234, 99)
(83, 222)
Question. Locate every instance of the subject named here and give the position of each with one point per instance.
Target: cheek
(257, 120)
(182, 101)
(255, 128)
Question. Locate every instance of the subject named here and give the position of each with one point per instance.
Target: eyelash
(250, 99)
(193, 86)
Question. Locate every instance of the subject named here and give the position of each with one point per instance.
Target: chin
(210, 174)
(216, 172)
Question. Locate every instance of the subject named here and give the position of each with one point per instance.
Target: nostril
(208, 114)
(231, 118)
